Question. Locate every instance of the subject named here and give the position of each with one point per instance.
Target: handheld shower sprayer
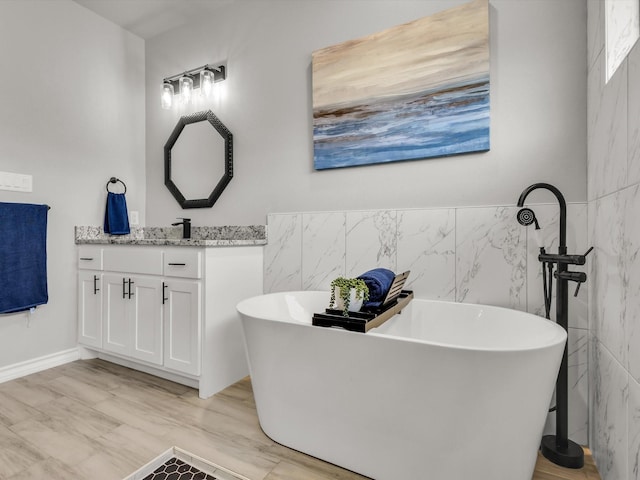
(526, 217)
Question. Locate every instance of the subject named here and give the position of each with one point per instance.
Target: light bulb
(186, 89)
(166, 99)
(207, 78)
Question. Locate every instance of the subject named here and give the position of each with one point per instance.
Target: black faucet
(558, 448)
(562, 259)
(186, 227)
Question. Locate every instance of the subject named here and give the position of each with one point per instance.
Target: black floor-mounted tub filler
(558, 448)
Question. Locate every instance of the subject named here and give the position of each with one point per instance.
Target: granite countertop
(223, 236)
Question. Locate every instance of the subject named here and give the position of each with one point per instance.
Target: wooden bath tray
(363, 321)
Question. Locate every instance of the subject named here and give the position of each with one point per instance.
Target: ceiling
(148, 18)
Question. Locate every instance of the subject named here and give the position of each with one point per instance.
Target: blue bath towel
(379, 281)
(116, 217)
(23, 256)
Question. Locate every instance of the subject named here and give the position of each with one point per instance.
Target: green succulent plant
(345, 285)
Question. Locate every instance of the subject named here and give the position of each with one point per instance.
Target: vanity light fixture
(207, 79)
(183, 84)
(167, 95)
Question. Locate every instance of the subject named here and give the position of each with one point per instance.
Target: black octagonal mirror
(198, 161)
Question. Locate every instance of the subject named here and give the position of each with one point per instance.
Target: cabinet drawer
(182, 263)
(90, 258)
(133, 260)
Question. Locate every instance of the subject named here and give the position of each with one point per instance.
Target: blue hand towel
(379, 281)
(23, 256)
(116, 217)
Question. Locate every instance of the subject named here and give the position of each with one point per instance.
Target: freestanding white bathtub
(442, 391)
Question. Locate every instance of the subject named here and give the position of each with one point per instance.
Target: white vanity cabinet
(132, 316)
(132, 303)
(90, 296)
(182, 326)
(182, 310)
(168, 311)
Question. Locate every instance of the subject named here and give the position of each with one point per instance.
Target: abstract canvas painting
(413, 91)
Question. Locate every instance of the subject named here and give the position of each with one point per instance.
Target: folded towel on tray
(379, 281)
(23, 256)
(116, 217)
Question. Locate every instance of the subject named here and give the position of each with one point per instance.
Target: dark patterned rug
(176, 469)
(178, 464)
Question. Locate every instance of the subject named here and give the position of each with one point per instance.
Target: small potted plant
(348, 294)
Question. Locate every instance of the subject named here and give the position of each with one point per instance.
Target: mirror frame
(228, 159)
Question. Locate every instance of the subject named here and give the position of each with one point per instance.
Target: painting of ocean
(415, 91)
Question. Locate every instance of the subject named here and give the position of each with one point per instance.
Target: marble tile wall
(474, 254)
(613, 173)
(622, 30)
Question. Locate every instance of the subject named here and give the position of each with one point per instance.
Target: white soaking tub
(443, 391)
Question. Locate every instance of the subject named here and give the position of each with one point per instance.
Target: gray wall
(614, 221)
(72, 116)
(538, 109)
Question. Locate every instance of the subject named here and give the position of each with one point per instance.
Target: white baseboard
(28, 367)
(85, 353)
(156, 372)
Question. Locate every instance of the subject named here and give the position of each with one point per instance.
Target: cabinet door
(90, 308)
(182, 326)
(146, 318)
(117, 331)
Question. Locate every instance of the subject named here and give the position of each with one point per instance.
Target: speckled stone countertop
(224, 236)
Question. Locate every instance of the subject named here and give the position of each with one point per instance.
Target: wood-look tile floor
(94, 420)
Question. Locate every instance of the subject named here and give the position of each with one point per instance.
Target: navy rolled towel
(379, 281)
(116, 217)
